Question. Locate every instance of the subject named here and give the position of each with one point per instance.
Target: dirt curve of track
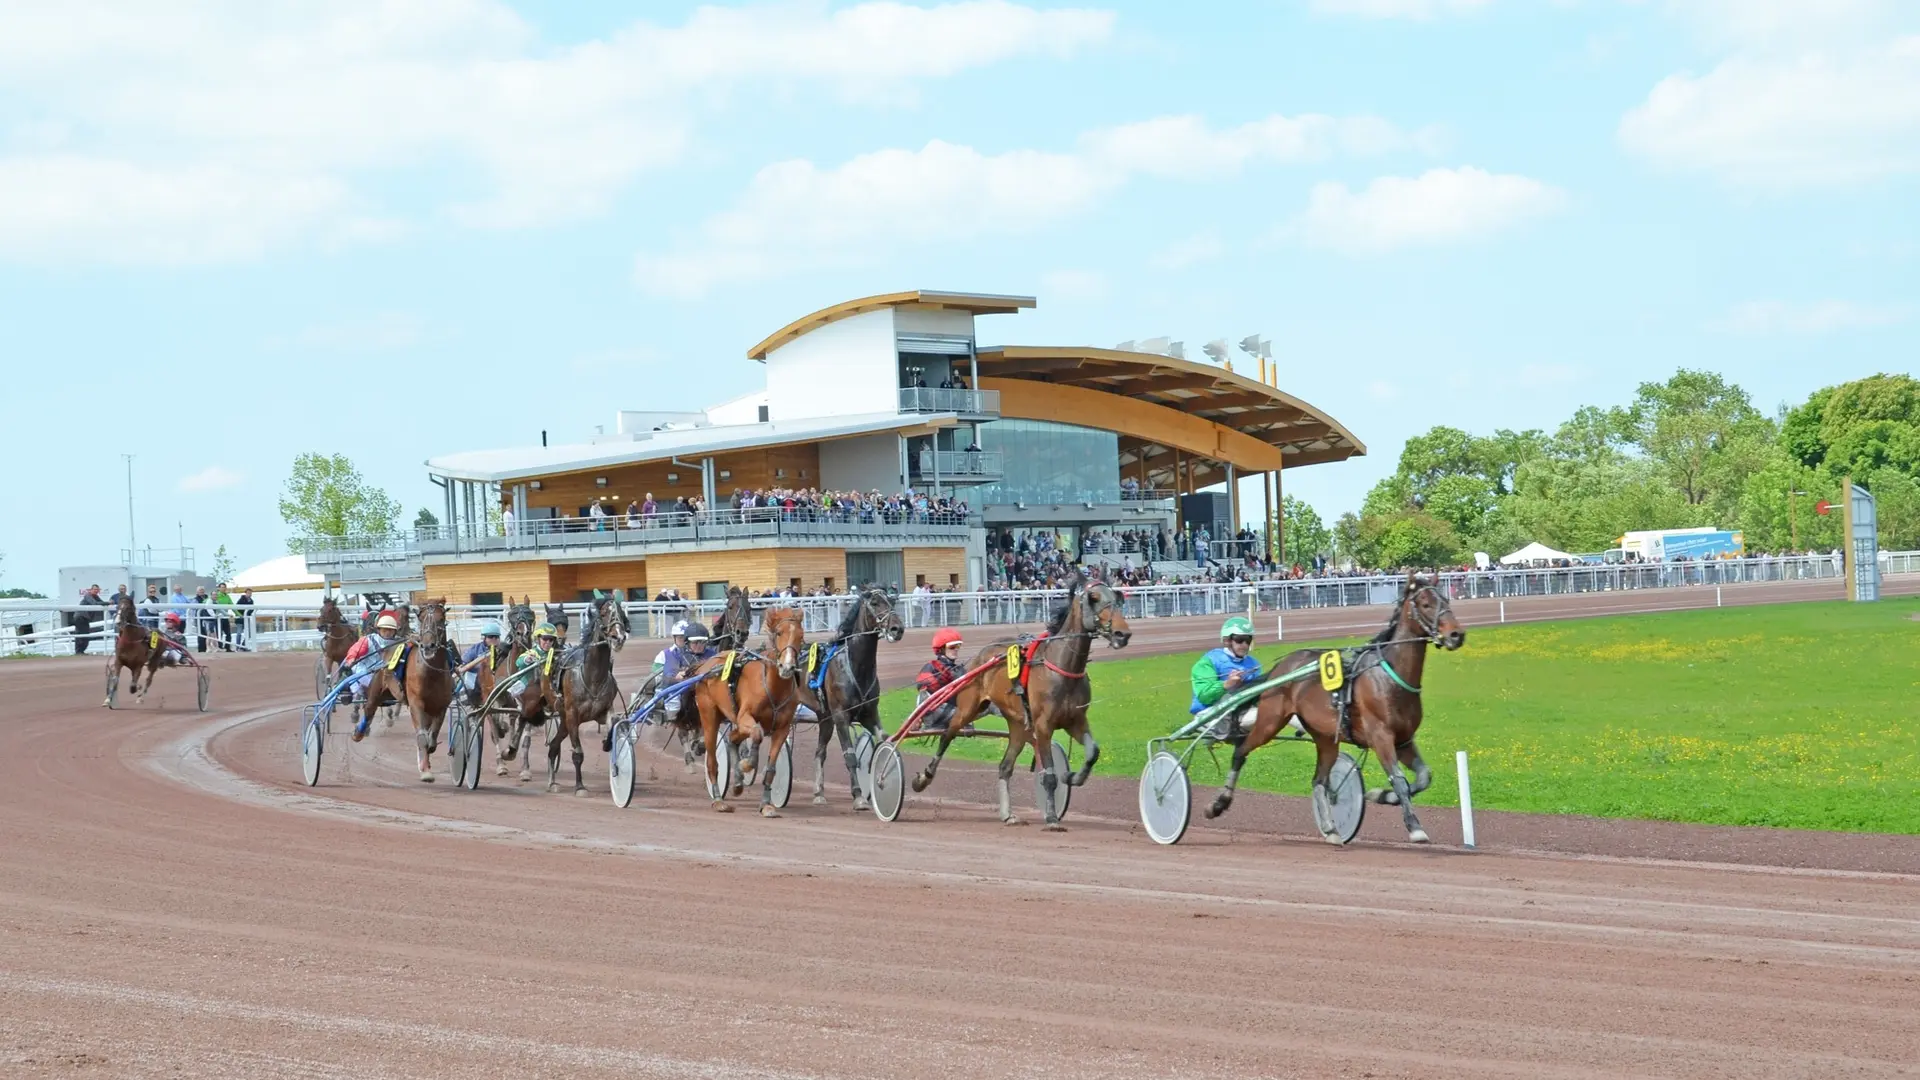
(174, 903)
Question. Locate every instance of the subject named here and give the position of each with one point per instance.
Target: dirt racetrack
(173, 903)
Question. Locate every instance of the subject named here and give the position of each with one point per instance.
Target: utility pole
(130, 544)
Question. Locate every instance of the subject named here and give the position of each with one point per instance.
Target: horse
(402, 612)
(1053, 695)
(1384, 713)
(850, 688)
(336, 637)
(557, 615)
(733, 627)
(767, 695)
(134, 650)
(519, 639)
(427, 689)
(582, 690)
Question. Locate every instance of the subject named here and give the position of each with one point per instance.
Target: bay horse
(336, 637)
(581, 689)
(1384, 713)
(761, 703)
(733, 627)
(849, 691)
(1053, 696)
(519, 638)
(427, 687)
(402, 612)
(134, 650)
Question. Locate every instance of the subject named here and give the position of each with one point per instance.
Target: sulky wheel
(1347, 790)
(205, 683)
(1166, 799)
(782, 776)
(722, 782)
(113, 683)
(863, 759)
(620, 765)
(1062, 794)
(889, 781)
(476, 741)
(457, 743)
(320, 677)
(313, 743)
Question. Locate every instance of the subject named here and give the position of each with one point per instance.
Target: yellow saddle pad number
(1013, 661)
(1332, 675)
(813, 658)
(547, 668)
(393, 661)
(153, 642)
(726, 667)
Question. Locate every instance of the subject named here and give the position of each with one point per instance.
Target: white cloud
(796, 215)
(1191, 251)
(211, 478)
(1421, 10)
(267, 126)
(1438, 206)
(1764, 317)
(1809, 96)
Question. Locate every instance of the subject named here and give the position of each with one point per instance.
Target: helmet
(697, 632)
(174, 619)
(386, 622)
(1238, 626)
(679, 629)
(944, 637)
(492, 629)
(545, 629)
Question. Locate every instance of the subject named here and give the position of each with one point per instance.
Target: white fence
(37, 627)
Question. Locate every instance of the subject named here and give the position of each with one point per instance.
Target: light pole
(130, 544)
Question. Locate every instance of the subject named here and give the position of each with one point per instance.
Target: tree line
(1690, 451)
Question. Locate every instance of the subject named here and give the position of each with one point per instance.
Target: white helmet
(680, 629)
(386, 622)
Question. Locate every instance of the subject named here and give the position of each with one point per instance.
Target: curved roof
(1304, 434)
(977, 303)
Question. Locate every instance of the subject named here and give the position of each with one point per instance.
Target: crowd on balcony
(752, 505)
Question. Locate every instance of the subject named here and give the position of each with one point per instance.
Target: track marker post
(1716, 596)
(1466, 799)
(1503, 611)
(1279, 628)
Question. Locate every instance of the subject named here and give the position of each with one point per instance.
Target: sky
(233, 232)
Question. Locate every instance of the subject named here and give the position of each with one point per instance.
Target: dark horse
(582, 690)
(134, 648)
(1383, 716)
(428, 687)
(760, 704)
(850, 689)
(519, 640)
(1055, 695)
(336, 637)
(733, 627)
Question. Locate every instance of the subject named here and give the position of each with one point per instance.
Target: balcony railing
(961, 466)
(1141, 494)
(853, 526)
(920, 399)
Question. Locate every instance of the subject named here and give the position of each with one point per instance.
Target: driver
(174, 633)
(679, 641)
(940, 671)
(477, 654)
(545, 638)
(680, 660)
(1221, 671)
(386, 634)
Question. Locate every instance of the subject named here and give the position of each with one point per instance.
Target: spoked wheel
(1348, 791)
(1166, 799)
(205, 681)
(722, 782)
(889, 782)
(113, 684)
(783, 776)
(620, 765)
(313, 743)
(1062, 793)
(457, 743)
(863, 760)
(469, 776)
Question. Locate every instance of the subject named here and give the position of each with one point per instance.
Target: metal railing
(919, 399)
(1141, 494)
(263, 628)
(961, 464)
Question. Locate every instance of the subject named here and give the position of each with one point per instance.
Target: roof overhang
(975, 303)
(507, 466)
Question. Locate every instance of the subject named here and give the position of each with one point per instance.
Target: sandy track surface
(173, 903)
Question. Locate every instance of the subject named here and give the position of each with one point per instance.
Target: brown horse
(336, 637)
(849, 691)
(1383, 716)
(427, 689)
(134, 650)
(581, 688)
(1054, 697)
(519, 639)
(760, 703)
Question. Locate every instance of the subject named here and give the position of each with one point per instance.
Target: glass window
(1047, 462)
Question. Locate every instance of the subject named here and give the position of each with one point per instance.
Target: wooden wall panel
(813, 566)
(609, 576)
(943, 567)
(752, 470)
(685, 570)
(458, 582)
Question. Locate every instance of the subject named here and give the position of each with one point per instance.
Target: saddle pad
(1020, 665)
(819, 655)
(1332, 671)
(153, 642)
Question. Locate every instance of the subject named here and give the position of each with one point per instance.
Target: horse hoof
(1331, 838)
(525, 776)
(1417, 836)
(920, 781)
(861, 803)
(553, 789)
(501, 771)
(1011, 820)
(1053, 826)
(426, 777)
(722, 808)
(767, 810)
(581, 793)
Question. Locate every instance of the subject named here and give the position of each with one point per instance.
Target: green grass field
(1796, 715)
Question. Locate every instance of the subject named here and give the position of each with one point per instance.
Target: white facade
(848, 367)
(741, 410)
(868, 463)
(922, 320)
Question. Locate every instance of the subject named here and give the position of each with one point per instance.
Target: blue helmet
(491, 629)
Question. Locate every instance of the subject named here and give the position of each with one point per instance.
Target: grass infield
(1795, 715)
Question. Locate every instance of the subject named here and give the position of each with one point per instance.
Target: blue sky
(228, 236)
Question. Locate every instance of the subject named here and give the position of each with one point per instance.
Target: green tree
(425, 519)
(1800, 429)
(222, 564)
(327, 497)
(1896, 499)
(1773, 518)
(1305, 534)
(1412, 539)
(1690, 425)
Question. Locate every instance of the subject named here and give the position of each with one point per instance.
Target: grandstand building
(883, 394)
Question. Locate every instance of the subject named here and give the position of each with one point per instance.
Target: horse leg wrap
(1322, 810)
(425, 741)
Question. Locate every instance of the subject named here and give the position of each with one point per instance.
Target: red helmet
(174, 619)
(944, 637)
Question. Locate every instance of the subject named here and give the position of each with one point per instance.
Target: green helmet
(1238, 626)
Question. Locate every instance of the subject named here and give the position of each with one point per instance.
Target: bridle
(1429, 627)
(431, 637)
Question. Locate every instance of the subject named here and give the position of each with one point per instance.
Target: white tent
(1534, 552)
